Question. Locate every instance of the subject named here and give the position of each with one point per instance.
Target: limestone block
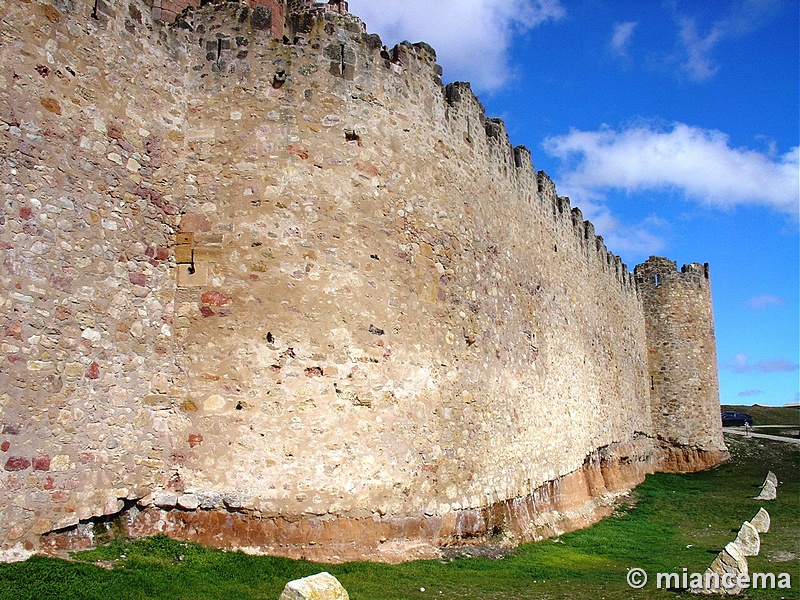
(165, 499)
(748, 540)
(112, 506)
(729, 561)
(761, 521)
(733, 560)
(187, 278)
(188, 502)
(208, 253)
(771, 477)
(768, 492)
(322, 586)
(183, 253)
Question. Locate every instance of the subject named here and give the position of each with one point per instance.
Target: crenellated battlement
(657, 271)
(324, 6)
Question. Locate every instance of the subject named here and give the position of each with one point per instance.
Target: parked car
(731, 419)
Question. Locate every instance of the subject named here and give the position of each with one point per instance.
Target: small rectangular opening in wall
(652, 383)
(656, 280)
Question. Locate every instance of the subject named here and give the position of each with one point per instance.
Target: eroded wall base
(689, 460)
(571, 502)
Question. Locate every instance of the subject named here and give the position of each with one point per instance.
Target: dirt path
(741, 431)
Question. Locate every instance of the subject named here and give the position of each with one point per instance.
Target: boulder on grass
(768, 492)
(761, 521)
(772, 478)
(322, 586)
(748, 540)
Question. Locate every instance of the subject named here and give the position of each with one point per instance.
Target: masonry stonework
(682, 362)
(269, 284)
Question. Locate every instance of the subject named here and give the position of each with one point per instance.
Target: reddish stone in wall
(5, 446)
(59, 496)
(138, 279)
(93, 372)
(213, 298)
(195, 439)
(14, 330)
(17, 463)
(86, 458)
(192, 222)
(41, 463)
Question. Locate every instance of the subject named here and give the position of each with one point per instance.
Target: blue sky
(672, 124)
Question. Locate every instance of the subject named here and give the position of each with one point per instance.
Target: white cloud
(764, 301)
(621, 38)
(472, 38)
(698, 62)
(745, 17)
(741, 364)
(699, 163)
(748, 393)
(627, 240)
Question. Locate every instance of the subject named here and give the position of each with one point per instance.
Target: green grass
(768, 415)
(670, 522)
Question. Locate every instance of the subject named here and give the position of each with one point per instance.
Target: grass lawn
(671, 522)
(768, 415)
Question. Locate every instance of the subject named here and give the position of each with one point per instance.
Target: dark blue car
(731, 419)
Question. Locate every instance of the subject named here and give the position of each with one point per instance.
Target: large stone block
(768, 491)
(761, 521)
(748, 540)
(322, 586)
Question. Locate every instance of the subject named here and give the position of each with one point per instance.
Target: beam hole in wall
(351, 136)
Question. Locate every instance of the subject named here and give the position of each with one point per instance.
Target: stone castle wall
(90, 135)
(297, 296)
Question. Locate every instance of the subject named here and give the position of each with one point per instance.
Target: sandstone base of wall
(571, 502)
(689, 460)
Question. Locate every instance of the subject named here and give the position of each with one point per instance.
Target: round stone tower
(682, 362)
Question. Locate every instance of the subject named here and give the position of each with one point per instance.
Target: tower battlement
(335, 6)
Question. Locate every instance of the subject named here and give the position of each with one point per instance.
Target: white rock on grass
(322, 586)
(772, 478)
(761, 521)
(748, 540)
(768, 492)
